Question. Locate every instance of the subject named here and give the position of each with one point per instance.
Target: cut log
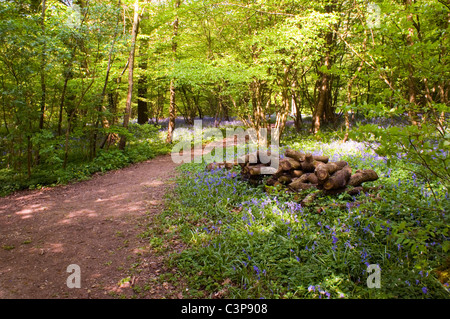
(361, 176)
(284, 164)
(288, 164)
(324, 171)
(307, 164)
(300, 171)
(338, 179)
(298, 184)
(251, 158)
(294, 163)
(321, 158)
(256, 169)
(258, 157)
(215, 165)
(296, 173)
(308, 178)
(298, 156)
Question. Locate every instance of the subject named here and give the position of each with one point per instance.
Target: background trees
(63, 63)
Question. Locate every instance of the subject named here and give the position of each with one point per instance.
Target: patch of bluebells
(357, 232)
(318, 289)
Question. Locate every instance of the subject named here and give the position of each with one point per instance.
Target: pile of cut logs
(300, 171)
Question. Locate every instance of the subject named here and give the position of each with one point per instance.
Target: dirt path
(94, 224)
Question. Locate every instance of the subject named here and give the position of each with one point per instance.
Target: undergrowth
(245, 243)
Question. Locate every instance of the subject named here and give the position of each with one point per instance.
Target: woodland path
(94, 224)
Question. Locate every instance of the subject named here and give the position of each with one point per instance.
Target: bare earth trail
(94, 224)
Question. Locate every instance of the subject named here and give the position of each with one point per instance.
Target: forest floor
(94, 224)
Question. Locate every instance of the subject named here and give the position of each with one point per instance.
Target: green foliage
(145, 143)
(245, 243)
(426, 146)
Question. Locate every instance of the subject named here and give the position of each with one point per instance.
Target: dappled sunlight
(92, 222)
(28, 212)
(155, 183)
(56, 248)
(82, 213)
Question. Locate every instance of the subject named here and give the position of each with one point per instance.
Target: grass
(244, 243)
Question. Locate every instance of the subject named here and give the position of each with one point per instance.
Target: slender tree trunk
(134, 32)
(142, 106)
(443, 94)
(43, 62)
(172, 105)
(296, 106)
(142, 96)
(101, 107)
(197, 105)
(42, 71)
(286, 100)
(66, 143)
(4, 106)
(29, 149)
(61, 104)
(411, 80)
(324, 87)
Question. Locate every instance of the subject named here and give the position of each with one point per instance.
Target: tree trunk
(134, 32)
(142, 96)
(339, 179)
(361, 176)
(66, 143)
(101, 108)
(324, 171)
(324, 87)
(172, 105)
(286, 99)
(296, 103)
(411, 80)
(42, 71)
(61, 104)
